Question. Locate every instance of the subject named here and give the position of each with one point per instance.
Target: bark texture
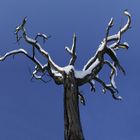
(73, 129)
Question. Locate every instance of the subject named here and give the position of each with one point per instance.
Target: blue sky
(34, 110)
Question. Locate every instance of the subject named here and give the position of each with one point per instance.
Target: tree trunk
(72, 124)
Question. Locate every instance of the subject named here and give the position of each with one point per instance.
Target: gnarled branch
(44, 36)
(122, 30)
(109, 88)
(39, 66)
(95, 63)
(36, 45)
(91, 69)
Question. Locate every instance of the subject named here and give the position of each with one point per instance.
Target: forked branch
(95, 64)
(38, 67)
(123, 29)
(92, 68)
(72, 51)
(34, 43)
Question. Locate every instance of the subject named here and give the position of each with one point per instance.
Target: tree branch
(21, 51)
(39, 66)
(95, 63)
(37, 46)
(91, 68)
(92, 84)
(98, 58)
(43, 73)
(72, 51)
(122, 30)
(113, 73)
(108, 87)
(113, 56)
(45, 37)
(58, 77)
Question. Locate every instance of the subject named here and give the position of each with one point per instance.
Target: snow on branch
(72, 51)
(110, 88)
(122, 30)
(95, 64)
(49, 66)
(38, 66)
(91, 70)
(44, 36)
(34, 43)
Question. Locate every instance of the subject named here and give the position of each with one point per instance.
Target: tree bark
(72, 124)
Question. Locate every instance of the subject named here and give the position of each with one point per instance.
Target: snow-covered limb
(43, 73)
(21, 51)
(101, 50)
(72, 51)
(92, 68)
(39, 66)
(110, 25)
(122, 30)
(115, 46)
(39, 77)
(44, 36)
(113, 56)
(57, 77)
(18, 28)
(113, 73)
(98, 57)
(92, 84)
(109, 87)
(36, 45)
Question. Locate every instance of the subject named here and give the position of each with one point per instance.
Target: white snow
(56, 73)
(90, 60)
(79, 74)
(68, 68)
(113, 52)
(82, 74)
(55, 66)
(30, 39)
(127, 13)
(125, 43)
(128, 21)
(119, 97)
(113, 81)
(104, 90)
(101, 46)
(112, 45)
(112, 37)
(93, 82)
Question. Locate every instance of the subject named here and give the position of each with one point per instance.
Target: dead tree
(71, 78)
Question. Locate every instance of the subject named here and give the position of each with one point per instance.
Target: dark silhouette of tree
(71, 78)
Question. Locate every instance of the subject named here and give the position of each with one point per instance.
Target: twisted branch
(39, 66)
(109, 88)
(95, 63)
(45, 37)
(122, 30)
(92, 67)
(36, 45)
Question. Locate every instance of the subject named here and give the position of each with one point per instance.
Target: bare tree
(71, 78)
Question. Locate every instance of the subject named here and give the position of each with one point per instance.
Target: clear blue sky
(34, 111)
